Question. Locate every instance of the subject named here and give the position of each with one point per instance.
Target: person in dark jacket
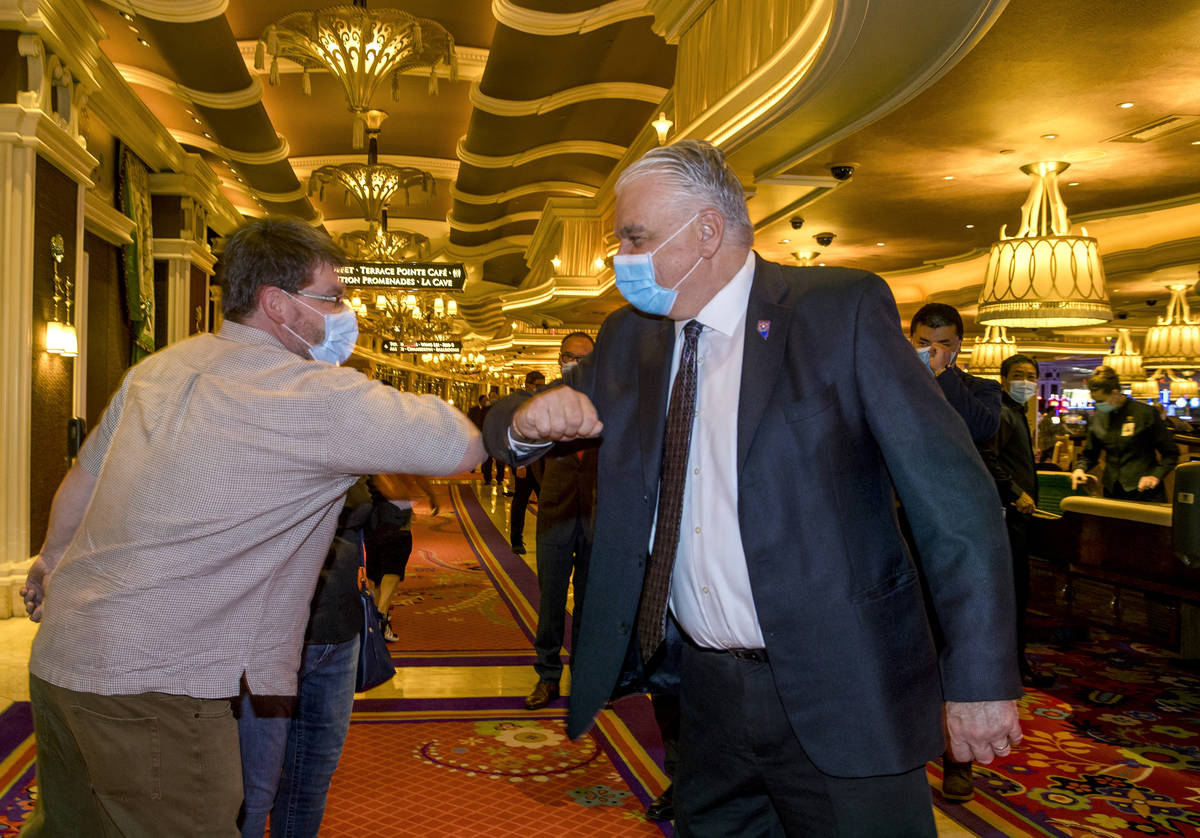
(1139, 449)
(936, 331)
(1012, 465)
(291, 746)
(526, 482)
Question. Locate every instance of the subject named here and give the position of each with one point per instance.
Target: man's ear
(711, 226)
(274, 302)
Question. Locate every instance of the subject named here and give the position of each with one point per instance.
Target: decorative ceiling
(935, 115)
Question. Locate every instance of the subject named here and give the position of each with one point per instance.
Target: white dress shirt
(710, 586)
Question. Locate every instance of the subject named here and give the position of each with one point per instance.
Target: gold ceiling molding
(174, 11)
(101, 218)
(470, 61)
(485, 226)
(553, 24)
(249, 158)
(490, 250)
(635, 91)
(230, 101)
(674, 17)
(297, 194)
(506, 161)
(440, 167)
(566, 186)
(726, 99)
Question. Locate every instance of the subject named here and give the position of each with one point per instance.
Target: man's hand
(34, 589)
(982, 730)
(558, 414)
(1025, 504)
(1078, 477)
(1147, 483)
(939, 358)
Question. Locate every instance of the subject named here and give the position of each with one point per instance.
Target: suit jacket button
(623, 628)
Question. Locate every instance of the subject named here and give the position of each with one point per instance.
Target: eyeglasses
(567, 357)
(336, 299)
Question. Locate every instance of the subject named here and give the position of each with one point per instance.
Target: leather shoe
(663, 806)
(518, 548)
(957, 785)
(543, 694)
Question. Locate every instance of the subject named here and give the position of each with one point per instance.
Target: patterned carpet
(456, 767)
(1112, 749)
(447, 610)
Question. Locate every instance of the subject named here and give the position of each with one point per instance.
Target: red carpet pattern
(443, 768)
(1112, 750)
(447, 610)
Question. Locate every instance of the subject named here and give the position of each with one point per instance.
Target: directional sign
(418, 276)
(422, 346)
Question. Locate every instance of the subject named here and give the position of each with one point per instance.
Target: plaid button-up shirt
(221, 464)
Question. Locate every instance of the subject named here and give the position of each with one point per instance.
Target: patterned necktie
(652, 610)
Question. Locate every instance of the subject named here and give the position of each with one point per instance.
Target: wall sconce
(556, 262)
(61, 338)
(661, 126)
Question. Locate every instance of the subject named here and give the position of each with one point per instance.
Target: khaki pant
(133, 765)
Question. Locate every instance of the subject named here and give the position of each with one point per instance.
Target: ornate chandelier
(1184, 388)
(359, 47)
(1174, 344)
(1043, 276)
(1126, 360)
(407, 317)
(990, 351)
(377, 244)
(1145, 389)
(372, 185)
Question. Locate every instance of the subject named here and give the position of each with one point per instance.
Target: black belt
(743, 655)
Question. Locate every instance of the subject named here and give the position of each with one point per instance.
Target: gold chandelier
(990, 351)
(405, 316)
(377, 244)
(1184, 388)
(1174, 343)
(1043, 276)
(1145, 388)
(359, 47)
(1126, 360)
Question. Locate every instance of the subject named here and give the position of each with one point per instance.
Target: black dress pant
(526, 486)
(743, 772)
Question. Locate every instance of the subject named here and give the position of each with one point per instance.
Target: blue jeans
(287, 761)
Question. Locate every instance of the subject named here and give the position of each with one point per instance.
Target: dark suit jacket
(567, 489)
(1150, 449)
(835, 410)
(977, 401)
(1011, 455)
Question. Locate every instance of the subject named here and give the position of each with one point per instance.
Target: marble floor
(16, 636)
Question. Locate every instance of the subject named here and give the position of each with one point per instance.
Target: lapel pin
(764, 328)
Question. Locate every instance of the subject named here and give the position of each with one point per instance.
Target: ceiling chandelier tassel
(396, 85)
(260, 55)
(273, 41)
(305, 83)
(453, 67)
(274, 77)
(360, 129)
(432, 87)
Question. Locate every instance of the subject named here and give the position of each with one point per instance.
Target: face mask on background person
(923, 353)
(1022, 391)
(1105, 407)
(635, 278)
(341, 333)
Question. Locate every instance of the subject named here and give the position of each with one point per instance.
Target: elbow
(474, 455)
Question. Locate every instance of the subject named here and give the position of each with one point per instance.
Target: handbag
(374, 660)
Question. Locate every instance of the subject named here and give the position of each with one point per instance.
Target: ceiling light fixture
(1126, 360)
(970, 226)
(948, 177)
(359, 47)
(1174, 343)
(1044, 276)
(1125, 105)
(1049, 136)
(805, 257)
(661, 126)
(990, 351)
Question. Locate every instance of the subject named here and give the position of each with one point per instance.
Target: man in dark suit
(936, 331)
(1139, 448)
(566, 479)
(477, 414)
(526, 482)
(756, 423)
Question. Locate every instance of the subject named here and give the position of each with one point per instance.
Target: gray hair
(695, 170)
(276, 250)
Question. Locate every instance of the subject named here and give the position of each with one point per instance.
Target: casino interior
(1033, 163)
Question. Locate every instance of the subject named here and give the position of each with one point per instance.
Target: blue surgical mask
(341, 334)
(635, 278)
(1105, 407)
(1022, 391)
(923, 352)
